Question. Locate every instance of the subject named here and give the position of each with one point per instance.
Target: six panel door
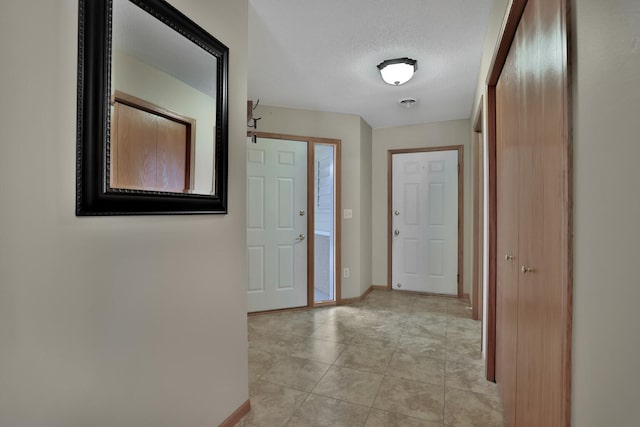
(425, 222)
(277, 224)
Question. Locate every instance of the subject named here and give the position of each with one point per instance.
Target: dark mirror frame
(93, 193)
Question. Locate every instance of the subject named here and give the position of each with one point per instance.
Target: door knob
(397, 213)
(508, 257)
(526, 270)
(300, 238)
(396, 232)
(301, 213)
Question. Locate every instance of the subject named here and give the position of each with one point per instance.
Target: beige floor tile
(318, 350)
(365, 358)
(426, 345)
(417, 367)
(320, 411)
(260, 362)
(468, 409)
(317, 315)
(425, 327)
(462, 347)
(420, 316)
(300, 374)
(349, 385)
(430, 305)
(395, 351)
(411, 398)
(383, 342)
(378, 418)
(469, 376)
(302, 327)
(334, 331)
(457, 325)
(277, 344)
(458, 310)
(271, 404)
(432, 346)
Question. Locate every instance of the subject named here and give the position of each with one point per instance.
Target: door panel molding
(390, 153)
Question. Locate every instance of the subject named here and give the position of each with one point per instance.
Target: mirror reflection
(163, 107)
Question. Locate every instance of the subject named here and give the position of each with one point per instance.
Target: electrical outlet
(345, 272)
(348, 214)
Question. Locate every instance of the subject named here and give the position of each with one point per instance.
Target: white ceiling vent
(408, 102)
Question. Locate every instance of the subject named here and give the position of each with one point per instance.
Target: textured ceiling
(322, 55)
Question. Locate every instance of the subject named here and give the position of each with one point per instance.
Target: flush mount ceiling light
(397, 71)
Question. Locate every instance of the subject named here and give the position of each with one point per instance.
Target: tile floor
(395, 359)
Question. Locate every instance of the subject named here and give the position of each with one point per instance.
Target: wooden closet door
(533, 299)
(172, 156)
(508, 172)
(134, 141)
(542, 248)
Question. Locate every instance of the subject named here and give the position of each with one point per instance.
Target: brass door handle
(508, 257)
(526, 270)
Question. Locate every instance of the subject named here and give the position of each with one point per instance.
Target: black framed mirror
(152, 112)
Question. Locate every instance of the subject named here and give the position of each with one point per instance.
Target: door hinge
(458, 278)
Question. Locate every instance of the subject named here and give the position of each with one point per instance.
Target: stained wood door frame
(390, 153)
(311, 142)
(507, 33)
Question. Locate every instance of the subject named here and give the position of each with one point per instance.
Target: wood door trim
(390, 153)
(311, 214)
(311, 141)
(490, 315)
(515, 9)
(507, 33)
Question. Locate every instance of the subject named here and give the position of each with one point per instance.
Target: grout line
(286, 420)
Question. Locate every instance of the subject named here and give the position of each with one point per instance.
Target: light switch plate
(345, 272)
(348, 214)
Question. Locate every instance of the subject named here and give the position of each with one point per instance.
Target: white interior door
(425, 222)
(277, 224)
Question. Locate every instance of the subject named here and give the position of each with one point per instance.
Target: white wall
(347, 128)
(125, 321)
(606, 96)
(440, 134)
(134, 77)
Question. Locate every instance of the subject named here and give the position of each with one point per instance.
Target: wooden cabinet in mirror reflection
(150, 147)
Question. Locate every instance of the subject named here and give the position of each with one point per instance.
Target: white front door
(425, 222)
(277, 224)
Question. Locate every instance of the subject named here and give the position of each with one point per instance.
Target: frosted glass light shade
(397, 71)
